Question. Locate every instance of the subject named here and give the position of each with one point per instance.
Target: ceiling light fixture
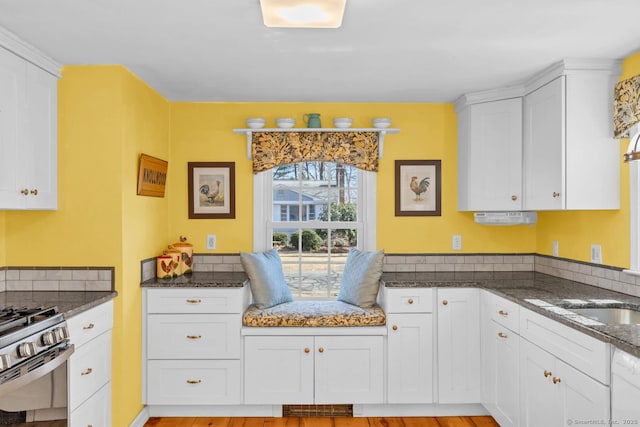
(302, 13)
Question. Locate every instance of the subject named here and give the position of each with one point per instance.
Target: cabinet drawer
(577, 349)
(90, 324)
(195, 300)
(193, 336)
(502, 311)
(96, 411)
(408, 300)
(89, 369)
(193, 382)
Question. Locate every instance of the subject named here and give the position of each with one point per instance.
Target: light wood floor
(324, 422)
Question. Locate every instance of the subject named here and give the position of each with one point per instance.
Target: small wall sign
(152, 176)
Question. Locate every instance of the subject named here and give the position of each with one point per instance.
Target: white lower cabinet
(553, 393)
(625, 388)
(459, 345)
(89, 367)
(308, 369)
(192, 346)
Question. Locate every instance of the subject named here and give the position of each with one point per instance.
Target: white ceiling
(385, 51)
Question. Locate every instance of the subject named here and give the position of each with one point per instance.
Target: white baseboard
(214, 411)
(418, 410)
(141, 419)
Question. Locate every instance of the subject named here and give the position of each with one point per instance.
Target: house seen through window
(316, 215)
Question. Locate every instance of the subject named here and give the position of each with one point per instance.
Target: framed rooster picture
(212, 190)
(418, 188)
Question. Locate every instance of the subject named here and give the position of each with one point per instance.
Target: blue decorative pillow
(266, 278)
(361, 278)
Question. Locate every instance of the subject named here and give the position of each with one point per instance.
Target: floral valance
(272, 149)
(626, 108)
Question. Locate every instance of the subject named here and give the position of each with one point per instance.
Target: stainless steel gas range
(34, 348)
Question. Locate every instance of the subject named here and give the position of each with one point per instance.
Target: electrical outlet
(596, 254)
(554, 248)
(211, 241)
(456, 243)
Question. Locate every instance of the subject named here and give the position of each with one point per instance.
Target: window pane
(340, 241)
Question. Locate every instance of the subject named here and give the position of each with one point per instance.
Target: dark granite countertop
(522, 286)
(68, 302)
(199, 280)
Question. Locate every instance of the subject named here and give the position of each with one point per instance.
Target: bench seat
(314, 314)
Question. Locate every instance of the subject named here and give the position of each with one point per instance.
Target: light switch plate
(554, 248)
(596, 254)
(211, 241)
(456, 242)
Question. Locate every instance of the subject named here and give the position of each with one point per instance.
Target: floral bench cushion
(314, 314)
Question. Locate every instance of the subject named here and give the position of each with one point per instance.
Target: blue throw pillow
(361, 278)
(266, 278)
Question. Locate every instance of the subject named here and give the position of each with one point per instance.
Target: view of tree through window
(314, 223)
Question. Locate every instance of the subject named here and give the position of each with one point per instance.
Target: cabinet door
(583, 397)
(459, 345)
(410, 358)
(89, 368)
(506, 369)
(544, 147)
(540, 399)
(490, 162)
(96, 411)
(41, 149)
(278, 369)
(12, 98)
(349, 369)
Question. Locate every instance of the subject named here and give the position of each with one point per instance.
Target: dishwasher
(625, 389)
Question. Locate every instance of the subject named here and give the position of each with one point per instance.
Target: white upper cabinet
(28, 134)
(552, 151)
(490, 156)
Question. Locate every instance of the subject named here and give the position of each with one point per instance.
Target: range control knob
(49, 338)
(62, 333)
(26, 349)
(5, 361)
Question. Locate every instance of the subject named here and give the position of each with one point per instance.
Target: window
(312, 213)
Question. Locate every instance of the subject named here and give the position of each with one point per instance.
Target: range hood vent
(505, 218)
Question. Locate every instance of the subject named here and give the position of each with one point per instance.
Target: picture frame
(212, 190)
(152, 176)
(418, 187)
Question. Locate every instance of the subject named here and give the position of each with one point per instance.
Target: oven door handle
(43, 370)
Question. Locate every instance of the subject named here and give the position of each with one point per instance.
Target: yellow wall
(203, 132)
(577, 231)
(107, 117)
(3, 255)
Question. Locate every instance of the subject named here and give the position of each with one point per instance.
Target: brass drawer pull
(34, 191)
(194, 381)
(410, 300)
(394, 327)
(555, 195)
(194, 337)
(194, 301)
(514, 197)
(502, 335)
(87, 372)
(547, 374)
(24, 192)
(503, 313)
(556, 380)
(306, 350)
(445, 302)
(89, 326)
(321, 350)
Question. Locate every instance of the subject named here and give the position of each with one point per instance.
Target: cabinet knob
(394, 327)
(194, 381)
(24, 191)
(555, 195)
(410, 300)
(194, 301)
(306, 350)
(514, 197)
(34, 191)
(556, 380)
(87, 372)
(547, 374)
(321, 350)
(502, 335)
(503, 313)
(445, 302)
(194, 337)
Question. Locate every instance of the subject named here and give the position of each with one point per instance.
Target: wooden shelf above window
(380, 131)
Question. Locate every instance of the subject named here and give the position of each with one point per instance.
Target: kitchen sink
(610, 315)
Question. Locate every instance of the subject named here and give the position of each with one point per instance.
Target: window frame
(634, 209)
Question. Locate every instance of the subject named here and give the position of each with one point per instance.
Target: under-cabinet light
(302, 13)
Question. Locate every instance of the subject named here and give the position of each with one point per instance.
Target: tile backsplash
(56, 279)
